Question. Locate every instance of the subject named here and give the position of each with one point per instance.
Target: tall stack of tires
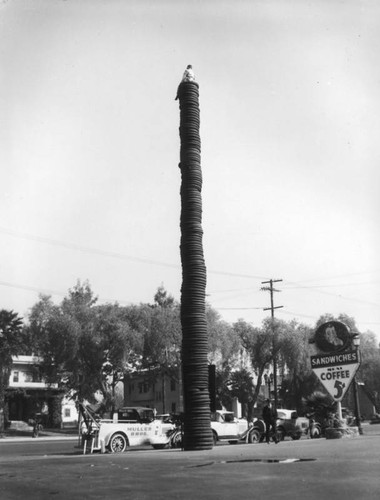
(197, 428)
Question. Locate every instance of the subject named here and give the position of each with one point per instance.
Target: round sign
(333, 336)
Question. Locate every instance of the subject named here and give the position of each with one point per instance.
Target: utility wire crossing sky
(290, 120)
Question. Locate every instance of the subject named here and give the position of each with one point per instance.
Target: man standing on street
(270, 417)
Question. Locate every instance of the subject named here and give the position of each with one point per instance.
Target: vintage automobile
(290, 424)
(226, 427)
(129, 426)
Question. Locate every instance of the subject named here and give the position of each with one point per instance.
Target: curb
(14, 439)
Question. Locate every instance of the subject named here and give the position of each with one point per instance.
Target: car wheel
(176, 440)
(315, 432)
(118, 443)
(214, 437)
(280, 434)
(254, 437)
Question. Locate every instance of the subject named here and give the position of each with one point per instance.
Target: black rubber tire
(214, 438)
(254, 436)
(118, 443)
(176, 440)
(315, 432)
(280, 434)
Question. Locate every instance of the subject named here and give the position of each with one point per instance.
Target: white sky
(290, 127)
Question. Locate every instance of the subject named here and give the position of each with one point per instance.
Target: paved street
(308, 469)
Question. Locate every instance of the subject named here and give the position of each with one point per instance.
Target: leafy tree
(163, 299)
(298, 380)
(11, 344)
(223, 340)
(121, 347)
(55, 337)
(160, 326)
(242, 388)
(289, 342)
(258, 342)
(344, 318)
(84, 347)
(234, 384)
(163, 334)
(369, 371)
(222, 385)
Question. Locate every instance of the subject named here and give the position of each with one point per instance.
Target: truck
(129, 426)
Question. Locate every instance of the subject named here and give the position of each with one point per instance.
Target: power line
(32, 288)
(122, 256)
(85, 249)
(315, 317)
(323, 292)
(237, 308)
(332, 286)
(117, 255)
(104, 253)
(62, 293)
(339, 276)
(55, 292)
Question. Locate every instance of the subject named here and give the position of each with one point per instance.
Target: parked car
(290, 424)
(226, 427)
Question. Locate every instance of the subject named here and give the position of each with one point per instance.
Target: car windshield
(229, 417)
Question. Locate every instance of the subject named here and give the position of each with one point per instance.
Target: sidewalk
(26, 434)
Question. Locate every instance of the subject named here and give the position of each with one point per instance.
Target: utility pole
(270, 289)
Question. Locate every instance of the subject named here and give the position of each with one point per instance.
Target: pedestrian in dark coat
(270, 417)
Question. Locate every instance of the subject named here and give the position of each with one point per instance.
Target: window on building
(67, 412)
(28, 377)
(15, 376)
(172, 385)
(32, 376)
(174, 408)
